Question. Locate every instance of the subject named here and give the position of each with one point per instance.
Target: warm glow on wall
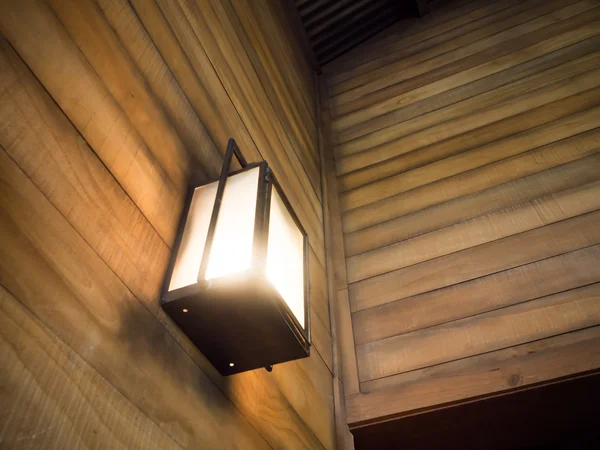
(238, 283)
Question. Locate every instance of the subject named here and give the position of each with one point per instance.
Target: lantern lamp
(237, 284)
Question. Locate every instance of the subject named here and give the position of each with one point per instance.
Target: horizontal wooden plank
(481, 230)
(537, 319)
(539, 184)
(554, 138)
(561, 237)
(433, 46)
(557, 274)
(498, 33)
(392, 160)
(407, 32)
(407, 93)
(524, 365)
(518, 72)
(481, 128)
(427, 48)
(479, 102)
(51, 398)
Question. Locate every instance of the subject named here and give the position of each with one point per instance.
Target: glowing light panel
(234, 234)
(285, 257)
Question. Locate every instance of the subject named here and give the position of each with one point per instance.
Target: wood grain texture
(337, 285)
(109, 110)
(467, 159)
(468, 106)
(514, 325)
(99, 119)
(479, 231)
(463, 208)
(572, 142)
(501, 30)
(475, 262)
(549, 38)
(556, 274)
(216, 34)
(49, 377)
(519, 72)
(97, 316)
(495, 372)
(481, 131)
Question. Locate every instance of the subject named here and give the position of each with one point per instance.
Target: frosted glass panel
(285, 257)
(232, 244)
(187, 263)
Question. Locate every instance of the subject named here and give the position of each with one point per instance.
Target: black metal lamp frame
(240, 322)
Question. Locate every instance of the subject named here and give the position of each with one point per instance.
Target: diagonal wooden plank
(51, 395)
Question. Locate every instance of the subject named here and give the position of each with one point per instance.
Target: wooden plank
(297, 119)
(51, 396)
(344, 357)
(440, 81)
(82, 301)
(45, 145)
(131, 34)
(504, 28)
(465, 107)
(345, 340)
(449, 64)
(554, 135)
(124, 80)
(406, 33)
(344, 439)
(481, 230)
(537, 319)
(496, 198)
(429, 47)
(480, 128)
(92, 110)
(318, 289)
(518, 72)
(202, 88)
(561, 237)
(556, 274)
(321, 340)
(524, 365)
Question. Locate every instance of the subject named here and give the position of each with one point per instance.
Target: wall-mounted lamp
(237, 284)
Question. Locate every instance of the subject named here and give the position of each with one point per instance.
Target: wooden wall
(468, 167)
(108, 110)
